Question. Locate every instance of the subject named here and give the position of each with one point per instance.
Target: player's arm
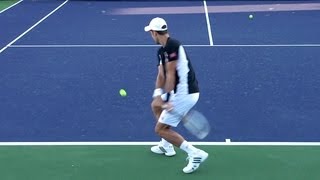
(171, 68)
(160, 82)
(169, 83)
(170, 76)
(157, 100)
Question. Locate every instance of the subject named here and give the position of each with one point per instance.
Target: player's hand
(157, 102)
(167, 106)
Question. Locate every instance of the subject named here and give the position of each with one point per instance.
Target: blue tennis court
(62, 64)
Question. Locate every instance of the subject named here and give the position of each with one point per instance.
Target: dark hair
(162, 32)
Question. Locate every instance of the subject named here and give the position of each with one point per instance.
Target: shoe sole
(162, 153)
(169, 155)
(166, 154)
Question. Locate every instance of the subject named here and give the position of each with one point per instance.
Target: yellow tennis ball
(250, 16)
(123, 92)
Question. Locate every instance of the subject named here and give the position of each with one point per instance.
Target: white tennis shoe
(168, 151)
(195, 160)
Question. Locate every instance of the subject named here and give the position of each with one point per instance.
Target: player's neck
(163, 40)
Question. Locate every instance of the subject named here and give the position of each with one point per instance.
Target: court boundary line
(146, 45)
(3, 10)
(208, 22)
(37, 23)
(154, 143)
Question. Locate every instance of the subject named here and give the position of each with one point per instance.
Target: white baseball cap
(156, 24)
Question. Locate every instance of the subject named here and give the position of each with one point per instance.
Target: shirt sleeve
(172, 51)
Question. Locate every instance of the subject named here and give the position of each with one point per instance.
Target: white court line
(77, 46)
(10, 6)
(24, 33)
(154, 143)
(146, 45)
(208, 22)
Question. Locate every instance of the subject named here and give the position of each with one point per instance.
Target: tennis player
(176, 90)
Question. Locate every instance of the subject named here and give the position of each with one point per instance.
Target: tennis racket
(194, 121)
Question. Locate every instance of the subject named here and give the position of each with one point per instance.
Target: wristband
(157, 92)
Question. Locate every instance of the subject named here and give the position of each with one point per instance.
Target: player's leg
(156, 108)
(165, 131)
(167, 119)
(164, 147)
(182, 104)
(195, 156)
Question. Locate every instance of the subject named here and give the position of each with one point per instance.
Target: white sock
(187, 147)
(164, 143)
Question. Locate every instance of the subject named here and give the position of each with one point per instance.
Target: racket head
(197, 124)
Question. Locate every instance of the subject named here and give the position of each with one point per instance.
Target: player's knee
(160, 129)
(157, 130)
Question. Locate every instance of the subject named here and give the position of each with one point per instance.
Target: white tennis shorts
(182, 104)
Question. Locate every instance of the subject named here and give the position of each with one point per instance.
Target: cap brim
(147, 28)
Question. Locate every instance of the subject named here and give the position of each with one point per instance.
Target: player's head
(157, 27)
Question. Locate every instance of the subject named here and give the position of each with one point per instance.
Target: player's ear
(155, 33)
